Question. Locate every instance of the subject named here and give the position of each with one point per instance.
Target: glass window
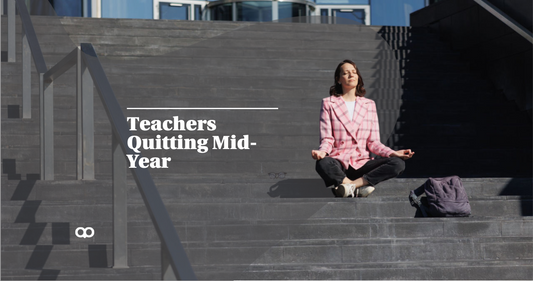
(130, 9)
(254, 11)
(68, 8)
(197, 12)
(41, 8)
(324, 16)
(171, 11)
(87, 8)
(394, 13)
(292, 10)
(349, 16)
(346, 2)
(222, 12)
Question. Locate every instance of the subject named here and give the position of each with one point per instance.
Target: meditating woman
(349, 131)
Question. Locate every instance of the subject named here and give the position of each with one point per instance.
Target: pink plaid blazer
(350, 141)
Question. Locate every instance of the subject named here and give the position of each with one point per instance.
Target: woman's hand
(403, 153)
(317, 154)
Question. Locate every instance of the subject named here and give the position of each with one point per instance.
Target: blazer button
(342, 142)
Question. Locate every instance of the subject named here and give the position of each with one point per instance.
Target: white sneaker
(364, 191)
(349, 189)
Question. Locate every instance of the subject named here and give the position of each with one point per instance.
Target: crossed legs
(372, 173)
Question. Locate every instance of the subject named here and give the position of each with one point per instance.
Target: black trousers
(374, 171)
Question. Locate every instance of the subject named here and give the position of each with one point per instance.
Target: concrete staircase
(236, 221)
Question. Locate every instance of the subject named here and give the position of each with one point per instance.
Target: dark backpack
(446, 197)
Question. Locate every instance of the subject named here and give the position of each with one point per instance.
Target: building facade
(368, 12)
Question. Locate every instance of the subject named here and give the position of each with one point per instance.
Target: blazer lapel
(339, 107)
(360, 112)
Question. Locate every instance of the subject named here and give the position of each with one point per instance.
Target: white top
(351, 108)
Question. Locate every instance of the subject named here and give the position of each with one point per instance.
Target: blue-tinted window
(394, 12)
(169, 11)
(222, 12)
(197, 12)
(344, 2)
(349, 16)
(87, 8)
(68, 8)
(290, 10)
(254, 11)
(132, 9)
(324, 16)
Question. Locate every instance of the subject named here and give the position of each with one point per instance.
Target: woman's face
(348, 76)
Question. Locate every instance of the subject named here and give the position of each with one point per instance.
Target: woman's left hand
(317, 155)
(403, 154)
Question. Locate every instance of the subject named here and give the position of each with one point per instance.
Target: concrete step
(207, 152)
(254, 209)
(241, 253)
(428, 270)
(444, 161)
(253, 82)
(368, 61)
(308, 95)
(96, 273)
(378, 271)
(178, 188)
(200, 25)
(83, 34)
(315, 272)
(281, 233)
(262, 82)
(370, 68)
(268, 146)
(204, 51)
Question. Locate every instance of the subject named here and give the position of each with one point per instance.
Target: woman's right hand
(317, 154)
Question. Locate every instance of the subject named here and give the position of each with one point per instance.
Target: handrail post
(46, 93)
(26, 77)
(120, 209)
(85, 121)
(11, 53)
(167, 273)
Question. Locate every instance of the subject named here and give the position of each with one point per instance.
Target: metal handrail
(38, 59)
(62, 66)
(174, 263)
(170, 242)
(503, 17)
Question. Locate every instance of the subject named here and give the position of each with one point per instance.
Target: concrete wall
(489, 44)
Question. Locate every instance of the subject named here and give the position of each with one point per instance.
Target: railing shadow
(299, 188)
(98, 256)
(49, 274)
(522, 187)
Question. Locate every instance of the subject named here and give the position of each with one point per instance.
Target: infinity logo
(84, 232)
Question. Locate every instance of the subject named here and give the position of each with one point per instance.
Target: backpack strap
(417, 203)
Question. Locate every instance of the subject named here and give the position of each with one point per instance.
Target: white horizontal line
(202, 108)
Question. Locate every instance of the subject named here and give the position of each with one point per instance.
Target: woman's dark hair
(336, 89)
